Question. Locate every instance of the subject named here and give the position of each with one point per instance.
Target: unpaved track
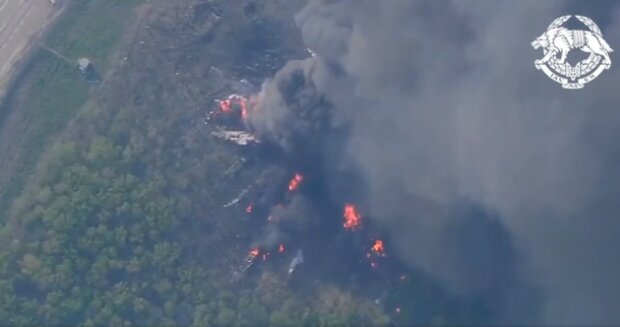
(21, 21)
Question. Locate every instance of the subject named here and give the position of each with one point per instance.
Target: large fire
(237, 109)
(295, 181)
(352, 219)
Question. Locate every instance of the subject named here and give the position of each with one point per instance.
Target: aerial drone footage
(309, 162)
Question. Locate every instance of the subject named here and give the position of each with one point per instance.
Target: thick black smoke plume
(298, 115)
(286, 221)
(431, 102)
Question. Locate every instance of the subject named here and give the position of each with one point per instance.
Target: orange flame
(225, 105)
(234, 99)
(249, 208)
(281, 248)
(378, 248)
(295, 181)
(352, 218)
(254, 252)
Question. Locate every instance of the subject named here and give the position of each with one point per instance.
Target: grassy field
(48, 91)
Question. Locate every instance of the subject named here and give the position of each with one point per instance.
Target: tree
(202, 316)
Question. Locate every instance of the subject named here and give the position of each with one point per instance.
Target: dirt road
(20, 22)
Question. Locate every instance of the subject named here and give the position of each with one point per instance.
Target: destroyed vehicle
(239, 137)
(297, 260)
(248, 262)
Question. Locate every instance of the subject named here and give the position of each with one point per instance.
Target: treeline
(97, 245)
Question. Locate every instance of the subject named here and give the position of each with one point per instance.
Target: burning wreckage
(230, 107)
(255, 253)
(322, 113)
(239, 137)
(286, 203)
(232, 112)
(276, 197)
(258, 199)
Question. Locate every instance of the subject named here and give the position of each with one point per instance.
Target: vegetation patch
(49, 91)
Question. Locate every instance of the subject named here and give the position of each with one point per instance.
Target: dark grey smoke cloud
(442, 102)
(288, 220)
(298, 111)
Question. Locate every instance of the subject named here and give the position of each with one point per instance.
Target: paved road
(20, 21)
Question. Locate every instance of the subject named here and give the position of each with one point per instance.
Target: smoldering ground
(441, 101)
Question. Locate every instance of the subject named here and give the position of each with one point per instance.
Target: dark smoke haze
(288, 220)
(441, 102)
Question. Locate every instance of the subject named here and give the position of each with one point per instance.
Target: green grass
(50, 92)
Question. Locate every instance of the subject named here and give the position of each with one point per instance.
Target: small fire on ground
(235, 102)
(352, 218)
(295, 182)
